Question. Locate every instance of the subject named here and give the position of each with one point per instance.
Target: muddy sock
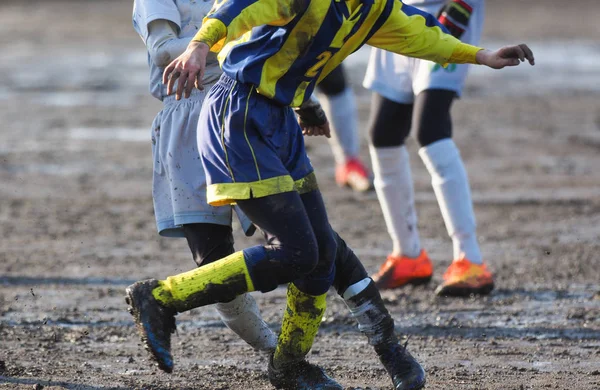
(299, 326)
(220, 281)
(374, 321)
(243, 317)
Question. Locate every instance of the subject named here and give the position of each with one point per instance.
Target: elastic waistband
(194, 96)
(227, 83)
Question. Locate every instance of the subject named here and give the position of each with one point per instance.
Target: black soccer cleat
(155, 322)
(405, 371)
(301, 376)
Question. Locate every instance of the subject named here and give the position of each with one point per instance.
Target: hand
(315, 130)
(506, 56)
(188, 68)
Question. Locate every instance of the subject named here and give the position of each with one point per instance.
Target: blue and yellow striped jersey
(285, 48)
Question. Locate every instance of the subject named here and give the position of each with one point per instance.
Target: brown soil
(77, 224)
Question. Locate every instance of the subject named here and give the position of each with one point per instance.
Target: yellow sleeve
(230, 19)
(464, 54)
(213, 31)
(412, 37)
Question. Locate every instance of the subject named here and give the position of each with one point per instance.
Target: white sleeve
(146, 11)
(163, 44)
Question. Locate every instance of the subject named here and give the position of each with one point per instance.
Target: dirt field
(76, 219)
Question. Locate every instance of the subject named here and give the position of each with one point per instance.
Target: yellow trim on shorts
(222, 194)
(307, 184)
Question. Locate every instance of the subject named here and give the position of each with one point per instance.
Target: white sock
(243, 317)
(343, 118)
(451, 186)
(394, 185)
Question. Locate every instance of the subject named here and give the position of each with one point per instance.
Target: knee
(348, 268)
(209, 242)
(318, 280)
(428, 133)
(327, 247)
(312, 257)
(390, 122)
(301, 259)
(385, 133)
(432, 119)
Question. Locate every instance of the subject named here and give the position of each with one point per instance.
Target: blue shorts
(250, 146)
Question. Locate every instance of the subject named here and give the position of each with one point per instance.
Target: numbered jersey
(286, 48)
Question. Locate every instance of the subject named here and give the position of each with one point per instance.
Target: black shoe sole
(281, 380)
(449, 291)
(419, 281)
(130, 300)
(419, 387)
(413, 282)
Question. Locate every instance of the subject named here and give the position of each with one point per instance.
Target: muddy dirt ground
(76, 222)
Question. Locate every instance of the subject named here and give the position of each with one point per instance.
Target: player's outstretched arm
(506, 56)
(414, 33)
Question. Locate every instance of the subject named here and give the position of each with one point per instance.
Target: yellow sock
(299, 326)
(219, 281)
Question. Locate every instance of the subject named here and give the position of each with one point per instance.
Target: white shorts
(179, 182)
(400, 79)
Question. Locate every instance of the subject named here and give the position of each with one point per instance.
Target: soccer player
(179, 183)
(273, 53)
(409, 92)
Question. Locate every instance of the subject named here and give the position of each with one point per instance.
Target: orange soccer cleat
(398, 271)
(354, 175)
(464, 278)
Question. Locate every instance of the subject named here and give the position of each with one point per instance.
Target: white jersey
(188, 16)
(400, 78)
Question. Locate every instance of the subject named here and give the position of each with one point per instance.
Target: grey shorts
(179, 182)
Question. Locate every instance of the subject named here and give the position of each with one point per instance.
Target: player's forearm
(465, 54)
(163, 43)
